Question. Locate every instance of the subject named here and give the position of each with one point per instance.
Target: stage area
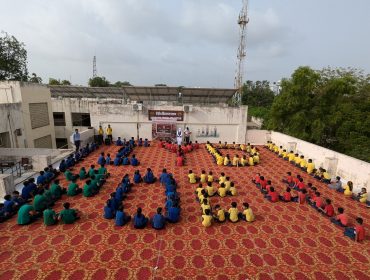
(287, 240)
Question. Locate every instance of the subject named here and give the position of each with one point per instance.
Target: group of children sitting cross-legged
(72, 159)
(246, 160)
(320, 174)
(114, 206)
(132, 142)
(180, 150)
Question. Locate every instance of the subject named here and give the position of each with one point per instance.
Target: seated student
(56, 190)
(222, 190)
(272, 195)
(134, 161)
(256, 179)
(49, 175)
(232, 190)
(356, 233)
(284, 155)
(26, 215)
(117, 161)
(77, 156)
(341, 219)
(203, 177)
(125, 160)
(219, 216)
(289, 179)
(300, 185)
(173, 213)
(262, 183)
(286, 197)
(9, 205)
(236, 160)
(316, 201)
(18, 200)
(108, 160)
(132, 142)
(303, 163)
(41, 179)
(325, 176)
(179, 160)
(210, 176)
(73, 189)
(140, 221)
(126, 184)
(69, 175)
(227, 184)
(146, 143)
(247, 214)
(137, 177)
(68, 215)
(233, 213)
(158, 220)
(102, 172)
(140, 142)
(207, 218)
(256, 159)
(62, 166)
(88, 189)
(164, 177)
(50, 217)
(92, 170)
(297, 159)
(149, 177)
(29, 189)
(250, 160)
(301, 198)
(70, 161)
(196, 145)
(227, 161)
(348, 189)
(336, 184)
(361, 196)
(328, 208)
(198, 191)
(82, 174)
(310, 167)
(40, 202)
(291, 157)
(205, 205)
(244, 161)
(119, 142)
(219, 160)
(109, 209)
(222, 178)
(101, 159)
(192, 177)
(121, 217)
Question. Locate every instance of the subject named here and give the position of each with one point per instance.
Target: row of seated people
(226, 187)
(308, 193)
(320, 174)
(118, 160)
(78, 156)
(175, 148)
(132, 142)
(243, 147)
(253, 158)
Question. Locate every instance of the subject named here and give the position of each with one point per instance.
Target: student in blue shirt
(108, 159)
(173, 213)
(126, 184)
(119, 142)
(125, 161)
(49, 175)
(132, 142)
(146, 143)
(62, 166)
(41, 179)
(109, 212)
(140, 221)
(18, 200)
(29, 189)
(158, 220)
(121, 217)
(117, 160)
(163, 176)
(70, 161)
(134, 161)
(77, 156)
(9, 205)
(170, 190)
(149, 177)
(140, 142)
(137, 177)
(119, 194)
(101, 159)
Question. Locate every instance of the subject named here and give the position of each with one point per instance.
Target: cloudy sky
(186, 42)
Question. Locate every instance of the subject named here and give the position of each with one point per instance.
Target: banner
(166, 115)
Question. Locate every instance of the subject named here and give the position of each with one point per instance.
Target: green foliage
(55, 82)
(259, 112)
(121, 84)
(257, 94)
(13, 59)
(330, 108)
(99, 82)
(35, 79)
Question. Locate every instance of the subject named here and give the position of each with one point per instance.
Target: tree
(13, 59)
(65, 83)
(121, 84)
(99, 82)
(35, 79)
(55, 82)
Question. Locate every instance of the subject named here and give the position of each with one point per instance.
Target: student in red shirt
(341, 219)
(328, 209)
(196, 145)
(272, 195)
(179, 161)
(316, 202)
(358, 232)
(296, 180)
(289, 179)
(300, 185)
(263, 183)
(256, 179)
(265, 189)
(287, 196)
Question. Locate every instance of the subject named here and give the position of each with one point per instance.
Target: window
(5, 140)
(59, 119)
(81, 119)
(43, 142)
(39, 115)
(62, 143)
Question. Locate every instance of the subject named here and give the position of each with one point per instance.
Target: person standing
(179, 136)
(100, 135)
(187, 133)
(110, 133)
(77, 139)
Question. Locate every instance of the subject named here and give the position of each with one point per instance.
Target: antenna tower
(94, 67)
(241, 55)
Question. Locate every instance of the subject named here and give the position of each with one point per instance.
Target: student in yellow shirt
(222, 178)
(210, 176)
(227, 184)
(109, 133)
(100, 135)
(250, 161)
(198, 190)
(232, 190)
(221, 190)
(280, 152)
(236, 146)
(243, 147)
(325, 176)
(233, 213)
(348, 188)
(220, 214)
(361, 196)
(210, 189)
(205, 205)
(236, 160)
(291, 157)
(284, 155)
(276, 149)
(220, 160)
(227, 160)
(207, 218)
(303, 163)
(243, 161)
(203, 177)
(310, 166)
(192, 177)
(253, 150)
(202, 195)
(256, 159)
(219, 145)
(247, 214)
(297, 159)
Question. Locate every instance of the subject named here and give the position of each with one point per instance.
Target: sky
(190, 43)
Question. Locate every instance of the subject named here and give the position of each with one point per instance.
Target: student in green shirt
(88, 190)
(26, 215)
(50, 217)
(102, 170)
(67, 215)
(56, 190)
(73, 189)
(83, 173)
(91, 170)
(69, 175)
(40, 202)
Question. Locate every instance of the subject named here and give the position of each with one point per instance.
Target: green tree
(121, 84)
(35, 79)
(65, 83)
(54, 82)
(99, 82)
(13, 59)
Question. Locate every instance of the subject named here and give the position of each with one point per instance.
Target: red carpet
(287, 241)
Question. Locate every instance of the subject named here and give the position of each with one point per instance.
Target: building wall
(230, 122)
